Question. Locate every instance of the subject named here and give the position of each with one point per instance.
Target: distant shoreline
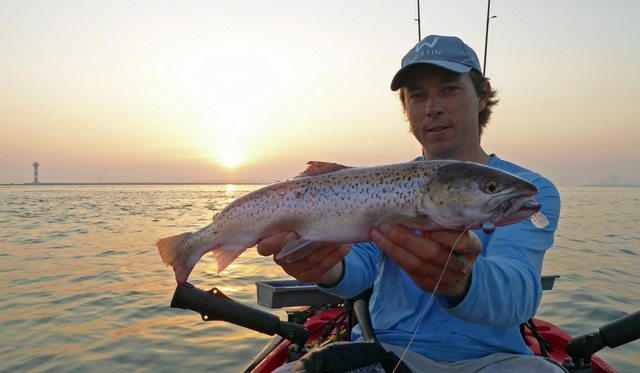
(610, 186)
(125, 183)
(244, 183)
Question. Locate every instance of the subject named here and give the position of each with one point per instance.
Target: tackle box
(291, 293)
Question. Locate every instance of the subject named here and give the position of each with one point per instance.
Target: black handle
(622, 330)
(361, 309)
(614, 334)
(214, 305)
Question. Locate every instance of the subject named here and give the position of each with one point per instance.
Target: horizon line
(237, 183)
(136, 183)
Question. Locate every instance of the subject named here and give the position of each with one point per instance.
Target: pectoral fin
(292, 247)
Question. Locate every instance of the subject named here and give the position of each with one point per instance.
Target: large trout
(339, 204)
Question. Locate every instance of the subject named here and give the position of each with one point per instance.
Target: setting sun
(229, 158)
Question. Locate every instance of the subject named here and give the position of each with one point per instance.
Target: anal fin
(226, 256)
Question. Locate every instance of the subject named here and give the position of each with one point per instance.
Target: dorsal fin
(315, 168)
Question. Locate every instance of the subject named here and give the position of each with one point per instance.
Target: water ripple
(84, 288)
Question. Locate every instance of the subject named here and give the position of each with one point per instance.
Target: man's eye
(451, 88)
(416, 96)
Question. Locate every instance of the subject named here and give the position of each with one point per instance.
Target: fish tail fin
(226, 255)
(172, 251)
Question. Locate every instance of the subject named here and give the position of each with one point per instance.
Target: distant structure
(35, 172)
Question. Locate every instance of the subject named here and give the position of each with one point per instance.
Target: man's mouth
(436, 129)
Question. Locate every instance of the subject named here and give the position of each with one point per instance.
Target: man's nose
(434, 107)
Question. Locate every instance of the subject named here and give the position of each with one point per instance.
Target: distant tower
(35, 172)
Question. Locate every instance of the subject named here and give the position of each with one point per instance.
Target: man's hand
(318, 263)
(424, 258)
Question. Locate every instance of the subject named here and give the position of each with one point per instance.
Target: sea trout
(337, 204)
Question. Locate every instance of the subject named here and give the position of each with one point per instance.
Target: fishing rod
(486, 37)
(486, 34)
(418, 19)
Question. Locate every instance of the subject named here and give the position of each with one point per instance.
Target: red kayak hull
(557, 337)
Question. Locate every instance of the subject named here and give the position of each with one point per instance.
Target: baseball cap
(448, 52)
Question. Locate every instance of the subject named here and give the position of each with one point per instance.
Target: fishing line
(432, 297)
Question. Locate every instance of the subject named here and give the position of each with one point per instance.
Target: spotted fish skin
(339, 204)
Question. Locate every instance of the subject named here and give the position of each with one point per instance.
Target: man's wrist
(334, 276)
(458, 291)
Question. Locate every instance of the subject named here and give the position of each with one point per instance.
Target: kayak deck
(276, 294)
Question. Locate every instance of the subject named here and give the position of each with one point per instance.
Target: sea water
(83, 287)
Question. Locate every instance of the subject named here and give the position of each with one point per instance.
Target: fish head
(467, 195)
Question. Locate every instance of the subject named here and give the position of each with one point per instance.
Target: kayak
(556, 337)
(317, 320)
(558, 340)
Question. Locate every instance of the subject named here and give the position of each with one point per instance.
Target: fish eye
(492, 187)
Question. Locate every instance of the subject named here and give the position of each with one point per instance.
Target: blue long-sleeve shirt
(505, 289)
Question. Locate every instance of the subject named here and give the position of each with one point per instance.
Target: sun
(227, 154)
(229, 158)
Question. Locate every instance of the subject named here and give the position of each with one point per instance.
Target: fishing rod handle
(623, 330)
(215, 305)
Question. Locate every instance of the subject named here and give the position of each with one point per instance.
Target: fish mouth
(514, 210)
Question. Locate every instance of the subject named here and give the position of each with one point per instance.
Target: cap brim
(398, 79)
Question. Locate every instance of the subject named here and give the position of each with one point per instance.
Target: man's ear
(484, 98)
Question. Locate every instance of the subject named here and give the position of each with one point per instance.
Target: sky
(249, 91)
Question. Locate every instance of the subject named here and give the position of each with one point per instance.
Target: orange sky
(212, 91)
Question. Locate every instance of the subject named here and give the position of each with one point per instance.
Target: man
(462, 320)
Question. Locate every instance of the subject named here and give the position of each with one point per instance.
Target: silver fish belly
(334, 203)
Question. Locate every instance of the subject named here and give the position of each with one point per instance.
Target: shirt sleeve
(505, 284)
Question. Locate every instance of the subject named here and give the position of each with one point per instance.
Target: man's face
(442, 108)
